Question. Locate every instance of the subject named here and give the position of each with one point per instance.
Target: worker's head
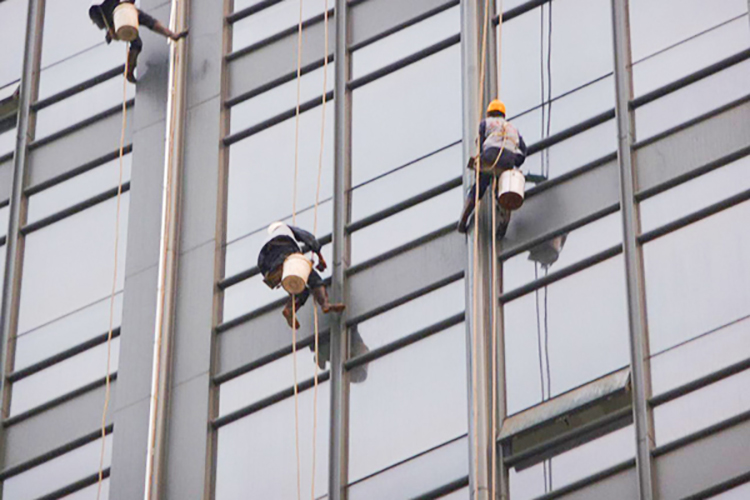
(275, 226)
(95, 14)
(496, 108)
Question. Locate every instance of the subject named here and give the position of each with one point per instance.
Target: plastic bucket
(126, 22)
(297, 269)
(511, 189)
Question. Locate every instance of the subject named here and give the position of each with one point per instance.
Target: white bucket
(297, 268)
(511, 189)
(126, 22)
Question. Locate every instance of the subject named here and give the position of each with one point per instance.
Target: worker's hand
(321, 264)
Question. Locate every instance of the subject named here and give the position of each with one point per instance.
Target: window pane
(462, 494)
(586, 333)
(4, 220)
(272, 20)
(63, 377)
(82, 66)
(707, 406)
(69, 264)
(424, 382)
(78, 32)
(257, 453)
(7, 141)
(13, 28)
(696, 278)
(738, 493)
(58, 472)
(90, 492)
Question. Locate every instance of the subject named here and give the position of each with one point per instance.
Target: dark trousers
(313, 282)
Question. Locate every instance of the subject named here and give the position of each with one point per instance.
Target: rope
(107, 378)
(493, 383)
(296, 395)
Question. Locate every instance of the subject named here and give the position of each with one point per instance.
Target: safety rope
(108, 378)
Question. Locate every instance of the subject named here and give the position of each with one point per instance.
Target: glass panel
(695, 278)
(562, 251)
(90, 492)
(691, 55)
(417, 475)
(66, 332)
(279, 99)
(243, 4)
(63, 377)
(82, 66)
(257, 453)
(391, 122)
(77, 189)
(261, 173)
(692, 101)
(4, 220)
(406, 42)
(701, 356)
(78, 32)
(423, 382)
(738, 493)
(654, 26)
(69, 264)
(707, 406)
(462, 494)
(573, 332)
(695, 194)
(406, 226)
(272, 20)
(58, 472)
(412, 316)
(573, 465)
(77, 108)
(7, 141)
(13, 28)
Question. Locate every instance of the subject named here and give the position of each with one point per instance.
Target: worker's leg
(154, 25)
(299, 301)
(484, 182)
(135, 48)
(315, 283)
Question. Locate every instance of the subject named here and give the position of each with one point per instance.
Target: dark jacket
(278, 248)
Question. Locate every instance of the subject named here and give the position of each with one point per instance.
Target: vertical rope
(493, 383)
(108, 378)
(296, 394)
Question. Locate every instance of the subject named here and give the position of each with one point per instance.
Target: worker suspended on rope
(102, 14)
(502, 149)
(283, 241)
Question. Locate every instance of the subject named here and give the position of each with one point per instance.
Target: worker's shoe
(321, 297)
(287, 313)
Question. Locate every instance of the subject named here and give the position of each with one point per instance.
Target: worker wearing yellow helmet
(502, 149)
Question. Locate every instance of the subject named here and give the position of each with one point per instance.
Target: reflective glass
(412, 316)
(705, 407)
(700, 357)
(77, 189)
(406, 226)
(66, 332)
(462, 494)
(562, 251)
(261, 173)
(83, 66)
(739, 493)
(417, 475)
(70, 264)
(696, 278)
(59, 472)
(695, 194)
(4, 220)
(63, 377)
(77, 31)
(573, 465)
(257, 453)
(274, 19)
(7, 141)
(423, 382)
(393, 125)
(405, 42)
(576, 330)
(90, 492)
(692, 101)
(13, 28)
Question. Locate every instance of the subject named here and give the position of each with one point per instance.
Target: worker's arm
(522, 147)
(309, 240)
(482, 132)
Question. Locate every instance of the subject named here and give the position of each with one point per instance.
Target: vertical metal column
(479, 366)
(338, 449)
(639, 364)
(11, 285)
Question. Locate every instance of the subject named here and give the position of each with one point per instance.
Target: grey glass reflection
(77, 31)
(58, 472)
(63, 377)
(424, 382)
(70, 263)
(4, 220)
(392, 124)
(7, 141)
(586, 334)
(257, 453)
(66, 332)
(462, 494)
(13, 28)
(77, 189)
(414, 315)
(701, 356)
(90, 492)
(739, 493)
(654, 26)
(406, 42)
(560, 252)
(418, 475)
(695, 194)
(272, 20)
(707, 406)
(261, 173)
(690, 55)
(692, 101)
(696, 278)
(406, 226)
(575, 464)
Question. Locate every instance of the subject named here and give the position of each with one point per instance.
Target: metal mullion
(638, 328)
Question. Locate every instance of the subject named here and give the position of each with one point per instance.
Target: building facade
(602, 351)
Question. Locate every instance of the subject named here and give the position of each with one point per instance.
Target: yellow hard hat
(496, 105)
